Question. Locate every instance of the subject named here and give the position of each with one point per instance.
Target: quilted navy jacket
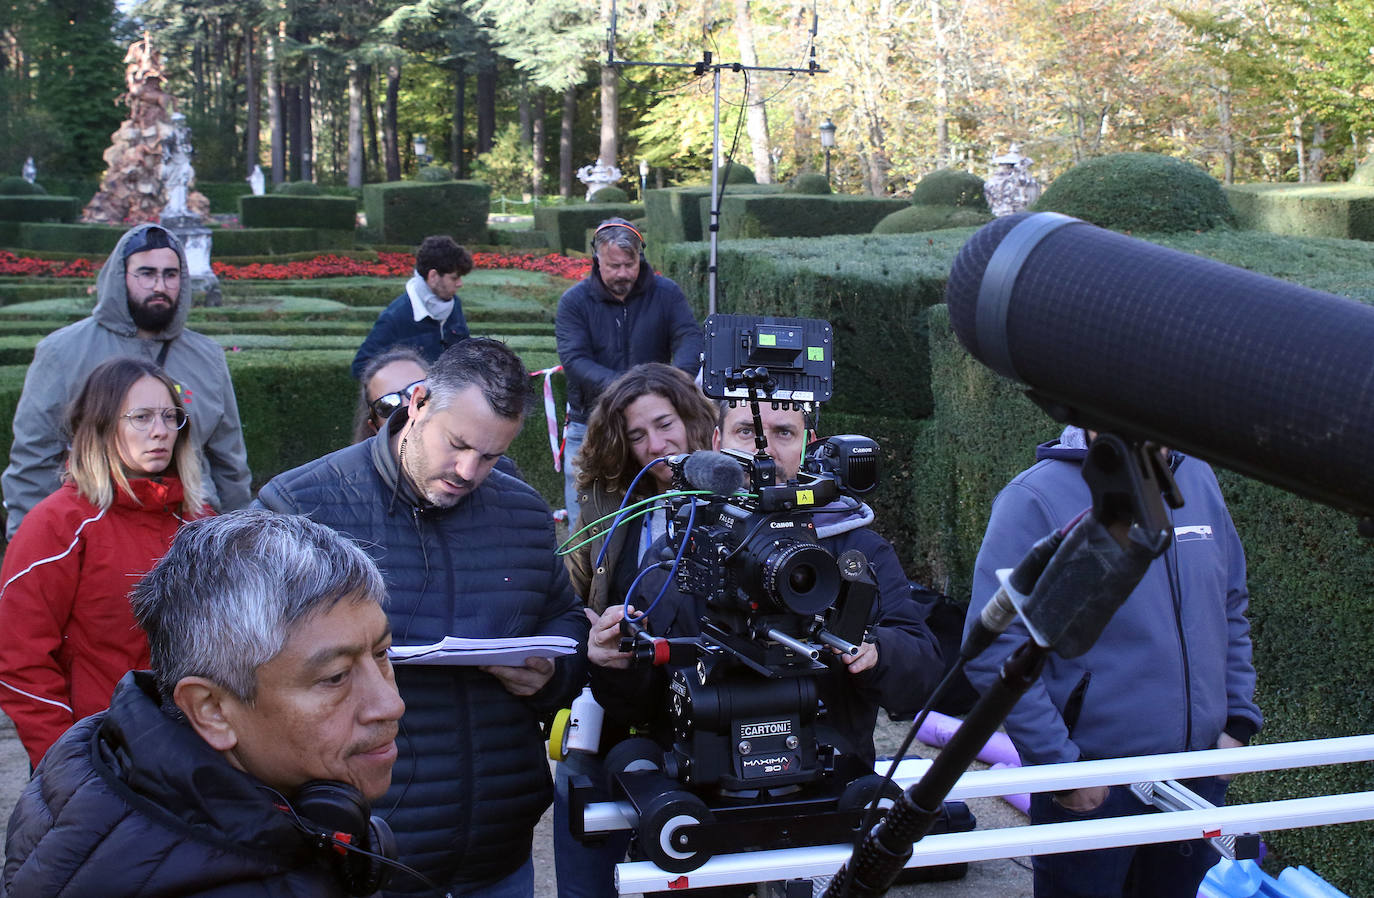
(472, 777)
(131, 802)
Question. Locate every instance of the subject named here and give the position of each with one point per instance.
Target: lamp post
(643, 178)
(828, 142)
(421, 147)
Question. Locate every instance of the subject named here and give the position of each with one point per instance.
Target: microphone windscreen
(1260, 375)
(714, 472)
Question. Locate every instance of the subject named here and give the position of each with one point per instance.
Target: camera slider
(679, 830)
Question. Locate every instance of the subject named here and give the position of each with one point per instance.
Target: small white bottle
(584, 727)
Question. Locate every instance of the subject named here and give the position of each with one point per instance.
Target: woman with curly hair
(133, 477)
(650, 411)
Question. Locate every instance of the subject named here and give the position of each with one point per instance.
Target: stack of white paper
(508, 651)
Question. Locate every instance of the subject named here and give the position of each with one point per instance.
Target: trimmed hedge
(100, 240)
(565, 227)
(535, 239)
(11, 385)
(674, 213)
(950, 187)
(407, 212)
(224, 195)
(271, 241)
(797, 215)
(873, 290)
(1305, 210)
(11, 293)
(914, 219)
(79, 189)
(96, 239)
(37, 208)
(285, 211)
(297, 188)
(981, 433)
(1139, 192)
(810, 183)
(609, 194)
(13, 185)
(737, 173)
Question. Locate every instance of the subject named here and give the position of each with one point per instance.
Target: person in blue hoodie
(1171, 672)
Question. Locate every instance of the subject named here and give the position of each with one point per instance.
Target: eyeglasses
(147, 278)
(387, 403)
(142, 418)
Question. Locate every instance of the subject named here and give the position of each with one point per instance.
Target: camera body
(749, 761)
(744, 701)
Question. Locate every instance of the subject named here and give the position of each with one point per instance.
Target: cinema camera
(752, 763)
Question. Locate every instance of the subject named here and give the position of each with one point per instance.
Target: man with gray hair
(466, 550)
(270, 682)
(621, 315)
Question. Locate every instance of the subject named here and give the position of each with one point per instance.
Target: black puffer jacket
(472, 778)
(600, 337)
(133, 803)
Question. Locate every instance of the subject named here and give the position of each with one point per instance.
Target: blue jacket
(599, 337)
(472, 776)
(908, 669)
(1172, 669)
(131, 802)
(397, 324)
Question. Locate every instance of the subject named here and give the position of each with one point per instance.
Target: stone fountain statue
(1011, 187)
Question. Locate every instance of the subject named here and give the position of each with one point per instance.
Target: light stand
(421, 147)
(700, 68)
(643, 178)
(828, 142)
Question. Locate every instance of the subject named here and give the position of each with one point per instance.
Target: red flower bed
(387, 265)
(12, 265)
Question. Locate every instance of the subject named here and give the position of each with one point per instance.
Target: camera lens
(800, 577)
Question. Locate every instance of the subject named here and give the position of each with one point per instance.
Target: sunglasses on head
(387, 403)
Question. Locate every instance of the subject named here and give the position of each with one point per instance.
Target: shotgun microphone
(1268, 378)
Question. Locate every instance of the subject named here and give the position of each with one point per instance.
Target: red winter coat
(64, 604)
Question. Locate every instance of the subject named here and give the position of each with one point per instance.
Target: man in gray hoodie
(144, 298)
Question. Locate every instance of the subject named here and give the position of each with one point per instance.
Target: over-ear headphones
(620, 224)
(336, 818)
(361, 848)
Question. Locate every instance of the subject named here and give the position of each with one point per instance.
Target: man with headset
(243, 763)
(619, 316)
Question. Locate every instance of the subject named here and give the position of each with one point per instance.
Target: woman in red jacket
(133, 478)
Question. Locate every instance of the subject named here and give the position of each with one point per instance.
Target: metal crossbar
(1188, 821)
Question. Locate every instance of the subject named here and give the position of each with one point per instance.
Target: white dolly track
(948, 848)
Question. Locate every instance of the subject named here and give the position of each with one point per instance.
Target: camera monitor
(790, 359)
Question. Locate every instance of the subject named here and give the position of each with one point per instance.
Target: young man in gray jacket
(144, 297)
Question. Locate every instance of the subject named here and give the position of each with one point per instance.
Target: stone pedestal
(196, 238)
